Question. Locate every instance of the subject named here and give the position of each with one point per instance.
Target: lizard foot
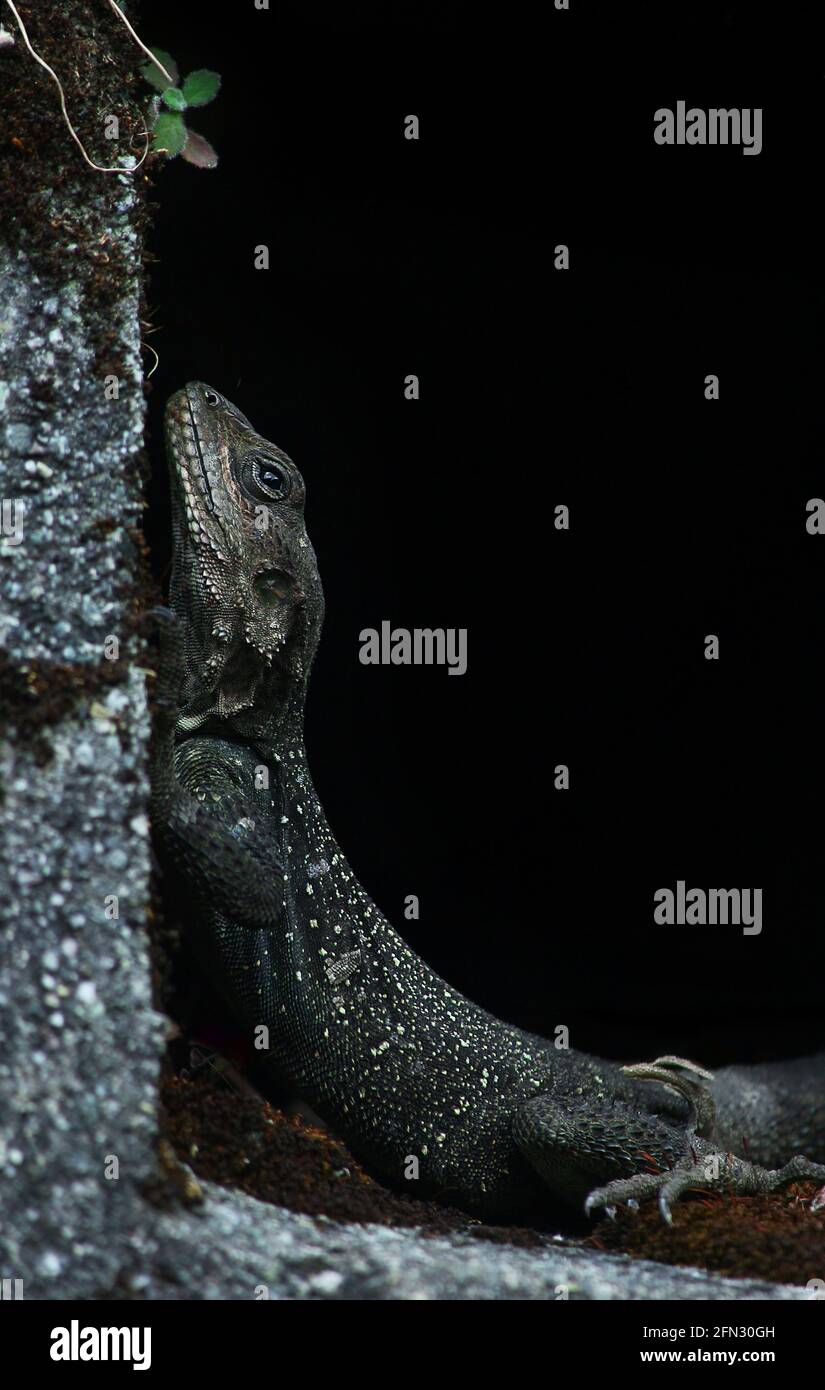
(574, 1144)
(707, 1169)
(703, 1166)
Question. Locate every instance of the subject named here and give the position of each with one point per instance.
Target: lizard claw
(676, 1074)
(624, 1190)
(160, 613)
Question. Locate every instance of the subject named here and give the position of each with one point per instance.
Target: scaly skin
(388, 1054)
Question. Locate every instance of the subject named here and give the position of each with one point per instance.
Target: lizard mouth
(188, 466)
(204, 478)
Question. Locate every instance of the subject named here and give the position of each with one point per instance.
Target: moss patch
(44, 181)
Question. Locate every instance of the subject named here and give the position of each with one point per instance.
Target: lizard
(418, 1080)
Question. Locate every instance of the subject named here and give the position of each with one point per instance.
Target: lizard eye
(270, 478)
(211, 397)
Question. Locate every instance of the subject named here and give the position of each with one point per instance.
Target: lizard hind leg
(617, 1141)
(579, 1143)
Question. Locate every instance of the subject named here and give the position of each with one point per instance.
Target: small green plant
(170, 133)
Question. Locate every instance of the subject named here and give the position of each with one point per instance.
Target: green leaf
(154, 76)
(169, 135)
(198, 151)
(201, 86)
(173, 98)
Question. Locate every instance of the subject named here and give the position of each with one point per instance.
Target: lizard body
(396, 1061)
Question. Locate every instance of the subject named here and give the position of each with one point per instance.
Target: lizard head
(244, 575)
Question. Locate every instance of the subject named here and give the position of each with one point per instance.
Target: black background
(538, 387)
